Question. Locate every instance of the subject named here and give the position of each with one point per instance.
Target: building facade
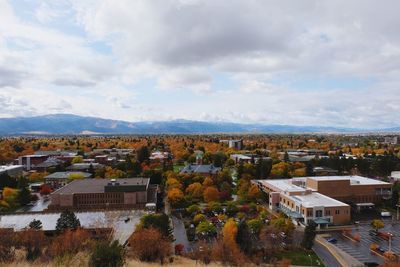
(89, 194)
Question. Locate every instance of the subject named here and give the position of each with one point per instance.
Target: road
(40, 205)
(325, 256)
(180, 233)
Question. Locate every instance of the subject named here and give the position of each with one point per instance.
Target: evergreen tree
(286, 157)
(143, 154)
(67, 220)
(24, 196)
(243, 237)
(36, 225)
(106, 254)
(309, 235)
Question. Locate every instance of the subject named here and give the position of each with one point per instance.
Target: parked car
(332, 240)
(381, 250)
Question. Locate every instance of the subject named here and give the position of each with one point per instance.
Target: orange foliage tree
(211, 194)
(148, 244)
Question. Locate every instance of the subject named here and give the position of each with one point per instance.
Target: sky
(310, 62)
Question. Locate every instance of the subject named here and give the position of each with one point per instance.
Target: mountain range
(73, 124)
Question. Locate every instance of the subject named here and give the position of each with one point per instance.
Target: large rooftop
(66, 175)
(98, 185)
(354, 180)
(4, 168)
(316, 199)
(192, 168)
(283, 185)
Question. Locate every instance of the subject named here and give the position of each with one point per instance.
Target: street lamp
(310, 259)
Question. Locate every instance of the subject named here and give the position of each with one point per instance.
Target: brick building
(87, 194)
(323, 199)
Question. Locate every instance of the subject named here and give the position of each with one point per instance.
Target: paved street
(180, 233)
(39, 205)
(327, 259)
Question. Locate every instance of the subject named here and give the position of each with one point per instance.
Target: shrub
(199, 218)
(107, 254)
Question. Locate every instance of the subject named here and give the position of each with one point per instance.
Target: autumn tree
(150, 245)
(195, 190)
(377, 224)
(70, 242)
(226, 250)
(211, 194)
(159, 221)
(175, 196)
(7, 246)
(32, 240)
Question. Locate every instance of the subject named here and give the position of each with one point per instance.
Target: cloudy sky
(304, 62)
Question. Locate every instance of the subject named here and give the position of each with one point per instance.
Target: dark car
(381, 250)
(332, 240)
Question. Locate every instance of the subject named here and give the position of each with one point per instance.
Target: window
(337, 212)
(327, 212)
(318, 213)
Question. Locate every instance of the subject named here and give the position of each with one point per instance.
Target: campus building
(12, 170)
(59, 179)
(88, 194)
(324, 199)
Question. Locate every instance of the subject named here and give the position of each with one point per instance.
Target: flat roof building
(323, 199)
(59, 179)
(87, 194)
(12, 170)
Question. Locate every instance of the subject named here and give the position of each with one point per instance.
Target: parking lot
(360, 250)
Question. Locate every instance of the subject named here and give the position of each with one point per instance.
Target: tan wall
(342, 218)
(66, 200)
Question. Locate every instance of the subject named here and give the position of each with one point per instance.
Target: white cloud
(249, 61)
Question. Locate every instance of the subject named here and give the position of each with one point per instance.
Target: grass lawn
(301, 258)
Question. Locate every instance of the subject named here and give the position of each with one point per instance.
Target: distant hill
(73, 124)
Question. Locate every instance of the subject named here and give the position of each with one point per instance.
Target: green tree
(206, 229)
(67, 220)
(107, 254)
(309, 235)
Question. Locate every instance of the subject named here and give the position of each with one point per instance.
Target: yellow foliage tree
(195, 190)
(173, 183)
(254, 192)
(175, 196)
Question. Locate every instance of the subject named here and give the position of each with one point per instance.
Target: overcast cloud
(305, 62)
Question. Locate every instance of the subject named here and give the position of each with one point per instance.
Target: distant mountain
(73, 124)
